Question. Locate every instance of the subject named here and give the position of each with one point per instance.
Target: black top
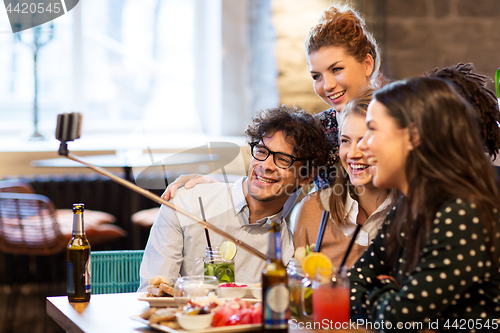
(455, 285)
(326, 175)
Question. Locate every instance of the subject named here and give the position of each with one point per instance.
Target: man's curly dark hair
(472, 87)
(300, 128)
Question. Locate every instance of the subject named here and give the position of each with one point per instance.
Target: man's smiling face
(266, 181)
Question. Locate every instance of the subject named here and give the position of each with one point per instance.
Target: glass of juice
(330, 297)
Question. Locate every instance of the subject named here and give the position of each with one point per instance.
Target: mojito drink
(223, 270)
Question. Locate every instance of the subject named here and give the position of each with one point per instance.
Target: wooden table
(109, 313)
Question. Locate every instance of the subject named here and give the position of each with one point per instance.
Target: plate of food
(205, 315)
(157, 301)
(160, 291)
(177, 329)
(170, 301)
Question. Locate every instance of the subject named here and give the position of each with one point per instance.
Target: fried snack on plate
(172, 324)
(146, 314)
(158, 280)
(166, 289)
(211, 301)
(160, 286)
(163, 315)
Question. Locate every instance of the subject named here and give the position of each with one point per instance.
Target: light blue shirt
(176, 241)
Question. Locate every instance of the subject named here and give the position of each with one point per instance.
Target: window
(197, 66)
(120, 62)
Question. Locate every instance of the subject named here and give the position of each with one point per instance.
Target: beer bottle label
(70, 286)
(276, 301)
(88, 274)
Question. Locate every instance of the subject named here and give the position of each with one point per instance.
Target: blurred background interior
(167, 87)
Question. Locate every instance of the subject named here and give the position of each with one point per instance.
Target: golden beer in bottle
(275, 295)
(78, 260)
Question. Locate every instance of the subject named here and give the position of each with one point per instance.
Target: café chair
(30, 225)
(16, 186)
(115, 271)
(31, 211)
(145, 218)
(27, 227)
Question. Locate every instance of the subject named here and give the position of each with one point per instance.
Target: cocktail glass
(331, 296)
(215, 265)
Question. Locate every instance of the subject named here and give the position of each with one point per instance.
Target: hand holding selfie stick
(69, 129)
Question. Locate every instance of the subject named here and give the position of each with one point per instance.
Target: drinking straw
(321, 231)
(497, 82)
(206, 230)
(356, 232)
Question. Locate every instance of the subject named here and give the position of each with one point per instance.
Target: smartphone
(69, 126)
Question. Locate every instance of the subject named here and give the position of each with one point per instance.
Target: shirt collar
(241, 206)
(352, 207)
(238, 195)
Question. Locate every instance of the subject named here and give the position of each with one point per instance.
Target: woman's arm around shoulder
(307, 221)
(188, 181)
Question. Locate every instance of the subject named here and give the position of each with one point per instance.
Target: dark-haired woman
(435, 264)
(472, 87)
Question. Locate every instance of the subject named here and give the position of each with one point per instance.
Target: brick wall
(414, 35)
(423, 34)
(292, 20)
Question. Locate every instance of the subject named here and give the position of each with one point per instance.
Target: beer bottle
(78, 260)
(275, 296)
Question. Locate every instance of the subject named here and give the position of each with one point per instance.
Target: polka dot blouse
(454, 287)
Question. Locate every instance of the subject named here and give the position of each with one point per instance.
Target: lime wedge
(310, 248)
(228, 250)
(300, 254)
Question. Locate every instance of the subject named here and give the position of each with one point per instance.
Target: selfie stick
(69, 129)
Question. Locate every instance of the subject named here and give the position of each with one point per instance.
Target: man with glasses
(287, 146)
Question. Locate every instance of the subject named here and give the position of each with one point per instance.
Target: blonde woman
(351, 200)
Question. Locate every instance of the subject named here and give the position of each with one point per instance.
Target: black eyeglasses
(281, 160)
